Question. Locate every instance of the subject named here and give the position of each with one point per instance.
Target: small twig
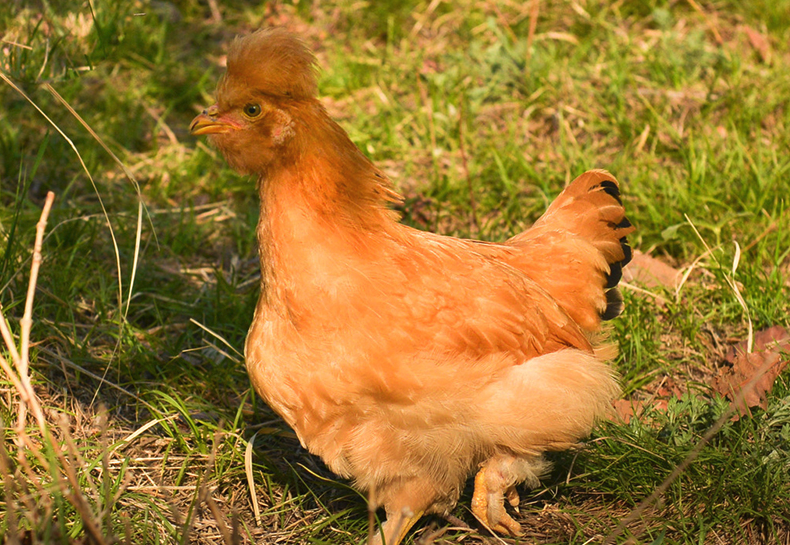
(27, 319)
(11, 374)
(127, 529)
(107, 498)
(27, 395)
(739, 297)
(687, 272)
(171, 136)
(24, 442)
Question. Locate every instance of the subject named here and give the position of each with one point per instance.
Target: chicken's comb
(272, 61)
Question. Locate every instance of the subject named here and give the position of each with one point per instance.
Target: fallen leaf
(651, 272)
(626, 409)
(759, 42)
(750, 377)
(668, 388)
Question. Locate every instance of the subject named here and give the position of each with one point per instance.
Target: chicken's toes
(513, 498)
(489, 507)
(507, 526)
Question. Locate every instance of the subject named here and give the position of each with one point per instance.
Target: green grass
(692, 127)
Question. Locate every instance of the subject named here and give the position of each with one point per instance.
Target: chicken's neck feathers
(327, 166)
(322, 208)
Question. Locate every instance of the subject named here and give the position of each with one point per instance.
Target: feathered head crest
(274, 62)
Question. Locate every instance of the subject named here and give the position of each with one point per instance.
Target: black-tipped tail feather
(614, 299)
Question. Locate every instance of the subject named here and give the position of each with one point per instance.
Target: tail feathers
(585, 229)
(614, 304)
(591, 207)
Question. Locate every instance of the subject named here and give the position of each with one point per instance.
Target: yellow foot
(488, 502)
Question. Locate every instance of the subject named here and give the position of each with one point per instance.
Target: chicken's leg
(496, 480)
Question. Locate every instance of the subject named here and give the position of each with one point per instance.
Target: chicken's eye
(252, 110)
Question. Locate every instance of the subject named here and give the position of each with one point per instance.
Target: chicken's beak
(209, 123)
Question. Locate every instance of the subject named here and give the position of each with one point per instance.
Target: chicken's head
(270, 75)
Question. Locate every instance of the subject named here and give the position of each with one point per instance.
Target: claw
(511, 494)
(507, 526)
(488, 505)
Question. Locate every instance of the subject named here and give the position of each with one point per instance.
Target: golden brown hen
(405, 359)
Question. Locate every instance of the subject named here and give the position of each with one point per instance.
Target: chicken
(407, 360)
